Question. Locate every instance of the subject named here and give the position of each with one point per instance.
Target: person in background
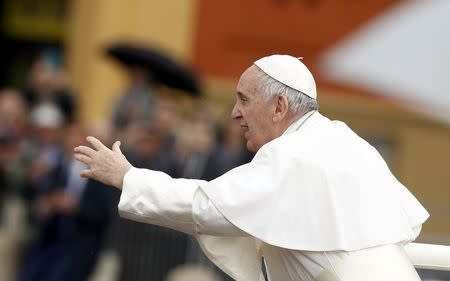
(47, 124)
(15, 159)
(232, 145)
(15, 145)
(199, 155)
(47, 82)
(149, 252)
(197, 146)
(73, 214)
(137, 102)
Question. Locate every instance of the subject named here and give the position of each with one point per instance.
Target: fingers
(85, 150)
(116, 147)
(95, 143)
(83, 158)
(87, 174)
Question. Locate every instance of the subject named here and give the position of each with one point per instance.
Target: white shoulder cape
(320, 188)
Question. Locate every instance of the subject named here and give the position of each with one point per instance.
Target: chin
(251, 147)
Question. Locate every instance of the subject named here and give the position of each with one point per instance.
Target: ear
(281, 108)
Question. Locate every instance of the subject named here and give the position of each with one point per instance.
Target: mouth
(244, 128)
(245, 131)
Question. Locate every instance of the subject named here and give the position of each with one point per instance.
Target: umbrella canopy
(164, 69)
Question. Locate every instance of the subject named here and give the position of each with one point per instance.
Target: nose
(236, 112)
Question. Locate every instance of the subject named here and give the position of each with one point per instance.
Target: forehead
(248, 81)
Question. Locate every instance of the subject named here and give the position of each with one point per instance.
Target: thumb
(116, 147)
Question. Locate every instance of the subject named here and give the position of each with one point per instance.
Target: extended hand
(104, 165)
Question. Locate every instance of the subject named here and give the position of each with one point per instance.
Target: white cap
(290, 71)
(47, 115)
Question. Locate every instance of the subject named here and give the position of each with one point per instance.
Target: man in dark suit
(73, 217)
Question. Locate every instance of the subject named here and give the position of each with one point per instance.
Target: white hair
(298, 102)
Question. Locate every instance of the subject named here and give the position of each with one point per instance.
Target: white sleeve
(209, 220)
(156, 198)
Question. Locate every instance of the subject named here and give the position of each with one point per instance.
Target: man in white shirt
(317, 201)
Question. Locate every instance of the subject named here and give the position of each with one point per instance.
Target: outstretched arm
(147, 196)
(154, 197)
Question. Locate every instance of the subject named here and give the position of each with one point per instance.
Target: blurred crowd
(54, 225)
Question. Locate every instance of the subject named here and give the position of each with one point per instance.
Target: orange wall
(231, 34)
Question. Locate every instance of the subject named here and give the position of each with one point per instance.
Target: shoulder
(319, 142)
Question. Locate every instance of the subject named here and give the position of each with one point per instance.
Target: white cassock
(319, 203)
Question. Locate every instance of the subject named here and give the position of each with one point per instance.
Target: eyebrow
(241, 95)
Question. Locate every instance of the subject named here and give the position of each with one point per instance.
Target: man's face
(253, 112)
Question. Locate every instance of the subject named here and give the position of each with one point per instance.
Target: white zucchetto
(290, 71)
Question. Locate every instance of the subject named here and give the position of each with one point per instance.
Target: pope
(317, 202)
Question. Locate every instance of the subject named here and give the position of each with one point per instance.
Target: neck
(298, 121)
(293, 118)
(286, 123)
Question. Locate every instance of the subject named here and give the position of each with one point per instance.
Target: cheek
(262, 122)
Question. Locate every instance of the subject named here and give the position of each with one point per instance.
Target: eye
(242, 98)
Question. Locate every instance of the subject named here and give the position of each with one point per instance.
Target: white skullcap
(290, 71)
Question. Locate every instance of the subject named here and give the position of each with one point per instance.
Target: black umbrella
(164, 69)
